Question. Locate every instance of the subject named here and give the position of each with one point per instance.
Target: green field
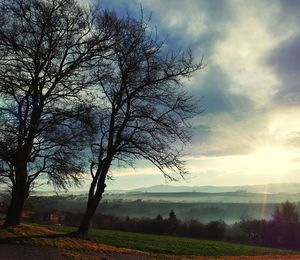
(175, 245)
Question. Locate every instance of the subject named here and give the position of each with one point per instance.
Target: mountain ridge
(259, 188)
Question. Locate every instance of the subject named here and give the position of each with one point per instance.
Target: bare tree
(143, 110)
(46, 48)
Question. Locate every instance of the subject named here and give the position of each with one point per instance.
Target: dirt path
(24, 252)
(169, 257)
(263, 257)
(121, 256)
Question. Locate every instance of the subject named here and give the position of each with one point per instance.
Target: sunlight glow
(271, 159)
(263, 206)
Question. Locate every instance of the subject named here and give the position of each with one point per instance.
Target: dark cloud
(216, 10)
(201, 133)
(214, 94)
(121, 7)
(290, 10)
(286, 63)
(215, 14)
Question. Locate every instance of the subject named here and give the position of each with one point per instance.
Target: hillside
(42, 241)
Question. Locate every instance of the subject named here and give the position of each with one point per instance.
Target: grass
(119, 243)
(175, 245)
(72, 248)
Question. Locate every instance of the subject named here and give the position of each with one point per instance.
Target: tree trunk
(93, 202)
(84, 226)
(19, 194)
(18, 197)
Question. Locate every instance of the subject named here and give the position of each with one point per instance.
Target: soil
(24, 252)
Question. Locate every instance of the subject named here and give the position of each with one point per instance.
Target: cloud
(211, 87)
(286, 63)
(241, 52)
(250, 86)
(284, 125)
(294, 141)
(228, 134)
(292, 8)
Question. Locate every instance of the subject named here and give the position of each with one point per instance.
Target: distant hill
(273, 188)
(264, 188)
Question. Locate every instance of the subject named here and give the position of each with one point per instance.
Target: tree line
(170, 225)
(82, 90)
(282, 230)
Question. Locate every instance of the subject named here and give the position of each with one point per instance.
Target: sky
(250, 88)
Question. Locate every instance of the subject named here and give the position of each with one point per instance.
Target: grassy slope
(124, 243)
(34, 235)
(174, 245)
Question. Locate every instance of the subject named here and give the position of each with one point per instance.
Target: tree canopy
(73, 77)
(46, 48)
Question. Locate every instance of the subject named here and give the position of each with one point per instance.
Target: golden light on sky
(270, 159)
